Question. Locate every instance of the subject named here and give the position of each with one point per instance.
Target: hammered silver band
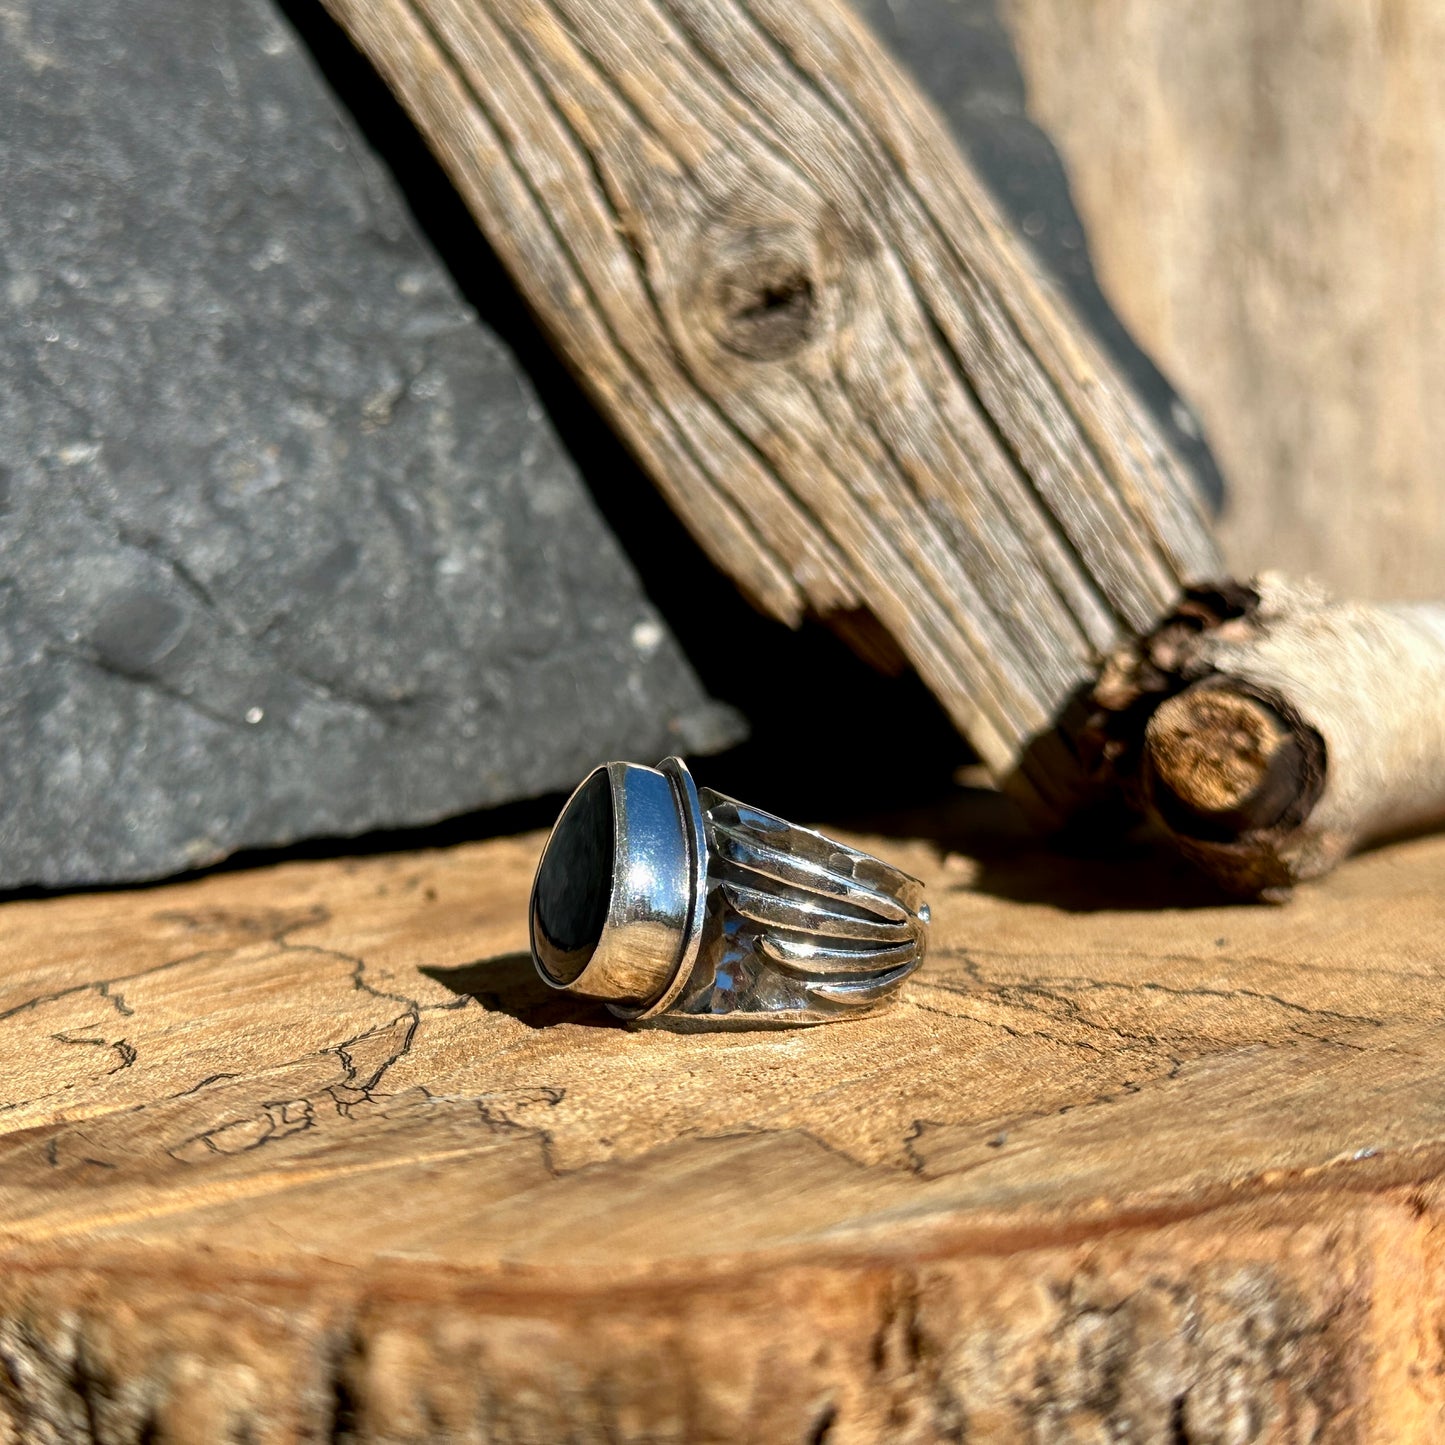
(680, 907)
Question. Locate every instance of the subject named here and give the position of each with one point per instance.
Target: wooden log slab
(306, 1153)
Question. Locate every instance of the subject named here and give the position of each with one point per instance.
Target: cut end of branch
(1218, 760)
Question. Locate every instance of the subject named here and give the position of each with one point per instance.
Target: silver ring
(675, 905)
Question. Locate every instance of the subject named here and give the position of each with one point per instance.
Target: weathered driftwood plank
(307, 1153)
(759, 249)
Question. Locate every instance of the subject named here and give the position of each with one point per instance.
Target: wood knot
(763, 292)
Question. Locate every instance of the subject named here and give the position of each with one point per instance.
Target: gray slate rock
(287, 546)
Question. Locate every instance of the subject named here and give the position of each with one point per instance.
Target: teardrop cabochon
(617, 906)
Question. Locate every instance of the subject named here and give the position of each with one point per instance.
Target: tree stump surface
(305, 1152)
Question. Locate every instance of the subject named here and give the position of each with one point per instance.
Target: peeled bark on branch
(757, 246)
(1293, 728)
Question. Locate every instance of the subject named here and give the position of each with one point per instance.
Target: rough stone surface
(288, 548)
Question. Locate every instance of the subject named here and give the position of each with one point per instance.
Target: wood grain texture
(305, 1153)
(762, 254)
(1262, 187)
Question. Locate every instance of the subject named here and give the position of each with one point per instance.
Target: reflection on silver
(676, 905)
